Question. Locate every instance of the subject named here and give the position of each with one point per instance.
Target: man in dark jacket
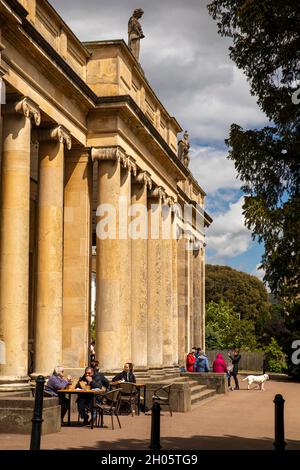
(93, 380)
(235, 362)
(126, 375)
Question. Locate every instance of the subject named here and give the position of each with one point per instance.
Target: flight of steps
(199, 393)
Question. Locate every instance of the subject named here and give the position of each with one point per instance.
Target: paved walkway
(239, 420)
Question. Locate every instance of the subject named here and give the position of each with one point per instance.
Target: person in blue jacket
(201, 364)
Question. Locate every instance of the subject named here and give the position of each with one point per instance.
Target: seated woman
(57, 382)
(90, 380)
(126, 375)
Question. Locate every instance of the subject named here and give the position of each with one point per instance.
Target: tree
(266, 46)
(224, 330)
(246, 294)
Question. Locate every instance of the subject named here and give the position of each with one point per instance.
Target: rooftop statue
(135, 33)
(183, 149)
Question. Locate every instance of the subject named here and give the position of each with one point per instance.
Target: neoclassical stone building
(81, 127)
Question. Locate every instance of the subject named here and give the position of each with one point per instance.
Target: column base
(14, 383)
(35, 375)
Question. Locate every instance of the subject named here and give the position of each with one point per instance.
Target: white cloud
(185, 60)
(212, 169)
(228, 237)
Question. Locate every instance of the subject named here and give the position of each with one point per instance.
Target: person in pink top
(219, 365)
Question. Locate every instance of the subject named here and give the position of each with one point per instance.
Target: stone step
(200, 396)
(195, 383)
(197, 389)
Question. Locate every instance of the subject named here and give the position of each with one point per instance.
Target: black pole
(35, 442)
(279, 443)
(155, 427)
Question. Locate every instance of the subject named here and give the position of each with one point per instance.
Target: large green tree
(246, 294)
(224, 329)
(266, 46)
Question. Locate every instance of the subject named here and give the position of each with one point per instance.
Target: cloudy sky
(187, 64)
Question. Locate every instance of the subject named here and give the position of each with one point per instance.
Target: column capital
(26, 107)
(159, 192)
(170, 200)
(115, 152)
(130, 163)
(59, 133)
(143, 177)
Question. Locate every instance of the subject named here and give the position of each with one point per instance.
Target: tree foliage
(224, 330)
(246, 294)
(266, 46)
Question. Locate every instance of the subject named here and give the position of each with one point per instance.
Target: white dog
(256, 379)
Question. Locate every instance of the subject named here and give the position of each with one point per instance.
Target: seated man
(126, 375)
(92, 380)
(57, 382)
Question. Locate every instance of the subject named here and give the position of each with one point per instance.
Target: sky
(187, 64)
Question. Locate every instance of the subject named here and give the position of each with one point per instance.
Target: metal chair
(162, 396)
(109, 405)
(129, 396)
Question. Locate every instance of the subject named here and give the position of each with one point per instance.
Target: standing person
(126, 375)
(190, 360)
(92, 351)
(58, 382)
(219, 365)
(235, 363)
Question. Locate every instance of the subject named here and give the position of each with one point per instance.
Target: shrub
(275, 358)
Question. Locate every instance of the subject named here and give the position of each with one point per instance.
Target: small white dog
(256, 379)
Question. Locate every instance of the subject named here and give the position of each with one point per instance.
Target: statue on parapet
(183, 149)
(135, 33)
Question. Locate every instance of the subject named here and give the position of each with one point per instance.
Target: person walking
(235, 359)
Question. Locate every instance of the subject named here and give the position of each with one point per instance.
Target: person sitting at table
(90, 380)
(126, 375)
(58, 382)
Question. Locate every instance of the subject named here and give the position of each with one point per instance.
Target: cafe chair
(162, 396)
(109, 405)
(129, 396)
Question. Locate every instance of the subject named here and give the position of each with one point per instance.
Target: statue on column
(135, 33)
(183, 149)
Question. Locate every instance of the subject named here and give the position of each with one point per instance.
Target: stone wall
(16, 415)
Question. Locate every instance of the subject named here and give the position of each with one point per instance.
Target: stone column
(202, 252)
(128, 168)
(167, 285)
(108, 259)
(191, 292)
(175, 290)
(182, 300)
(14, 251)
(140, 273)
(77, 257)
(197, 290)
(48, 337)
(155, 315)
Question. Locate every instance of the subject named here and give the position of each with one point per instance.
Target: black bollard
(155, 427)
(279, 443)
(35, 442)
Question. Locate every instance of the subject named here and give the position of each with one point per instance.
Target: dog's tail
(243, 380)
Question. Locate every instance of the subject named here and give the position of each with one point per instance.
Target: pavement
(240, 419)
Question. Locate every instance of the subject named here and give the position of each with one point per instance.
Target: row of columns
(14, 243)
(138, 310)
